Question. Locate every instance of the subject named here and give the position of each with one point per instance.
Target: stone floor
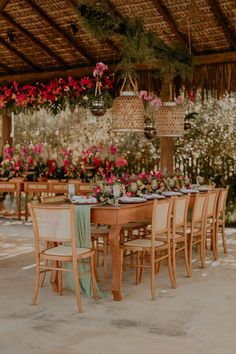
(197, 317)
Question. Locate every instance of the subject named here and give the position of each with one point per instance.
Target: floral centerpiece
(71, 165)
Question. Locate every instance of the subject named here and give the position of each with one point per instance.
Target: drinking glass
(71, 189)
(116, 193)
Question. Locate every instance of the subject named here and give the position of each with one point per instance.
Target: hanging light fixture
(128, 109)
(170, 118)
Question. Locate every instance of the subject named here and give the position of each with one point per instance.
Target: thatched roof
(42, 39)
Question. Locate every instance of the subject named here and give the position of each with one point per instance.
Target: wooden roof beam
(61, 31)
(109, 42)
(228, 57)
(33, 39)
(47, 75)
(3, 4)
(7, 68)
(223, 22)
(217, 58)
(163, 10)
(19, 54)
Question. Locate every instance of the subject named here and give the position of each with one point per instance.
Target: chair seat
(133, 225)
(143, 243)
(99, 232)
(65, 251)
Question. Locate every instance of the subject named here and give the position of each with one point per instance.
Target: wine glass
(116, 193)
(71, 190)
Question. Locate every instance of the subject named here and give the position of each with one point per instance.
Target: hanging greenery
(139, 45)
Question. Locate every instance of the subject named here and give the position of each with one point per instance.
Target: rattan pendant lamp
(170, 118)
(128, 109)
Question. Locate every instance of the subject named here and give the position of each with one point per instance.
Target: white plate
(153, 196)
(170, 193)
(128, 200)
(186, 190)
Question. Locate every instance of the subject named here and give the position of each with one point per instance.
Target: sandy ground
(197, 317)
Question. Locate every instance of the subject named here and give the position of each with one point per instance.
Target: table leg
(19, 205)
(26, 209)
(114, 242)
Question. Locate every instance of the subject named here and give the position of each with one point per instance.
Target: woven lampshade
(170, 120)
(127, 113)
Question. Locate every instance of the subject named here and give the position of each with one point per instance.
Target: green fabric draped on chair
(83, 239)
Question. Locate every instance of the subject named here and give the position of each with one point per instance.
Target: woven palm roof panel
(44, 39)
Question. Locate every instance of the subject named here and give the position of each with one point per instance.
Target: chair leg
(44, 275)
(153, 279)
(77, 286)
(93, 279)
(170, 270)
(142, 267)
(105, 256)
(202, 251)
(190, 254)
(187, 265)
(59, 279)
(223, 239)
(214, 243)
(173, 249)
(37, 284)
(137, 268)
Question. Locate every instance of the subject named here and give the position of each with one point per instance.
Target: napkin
(126, 199)
(188, 190)
(170, 193)
(153, 196)
(83, 199)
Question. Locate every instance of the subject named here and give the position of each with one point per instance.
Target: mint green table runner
(83, 239)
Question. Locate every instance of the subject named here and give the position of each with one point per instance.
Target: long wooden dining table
(115, 217)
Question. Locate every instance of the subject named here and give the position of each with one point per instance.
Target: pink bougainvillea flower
(99, 69)
(191, 96)
(121, 162)
(156, 102)
(113, 149)
(37, 149)
(179, 100)
(143, 94)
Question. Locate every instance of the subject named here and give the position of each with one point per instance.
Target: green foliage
(138, 45)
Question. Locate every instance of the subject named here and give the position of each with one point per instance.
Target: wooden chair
(196, 231)
(56, 224)
(100, 236)
(179, 241)
(157, 249)
(53, 199)
(220, 218)
(211, 220)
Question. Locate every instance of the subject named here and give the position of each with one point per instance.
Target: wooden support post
(166, 155)
(6, 131)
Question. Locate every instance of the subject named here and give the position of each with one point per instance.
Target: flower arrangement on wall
(58, 93)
